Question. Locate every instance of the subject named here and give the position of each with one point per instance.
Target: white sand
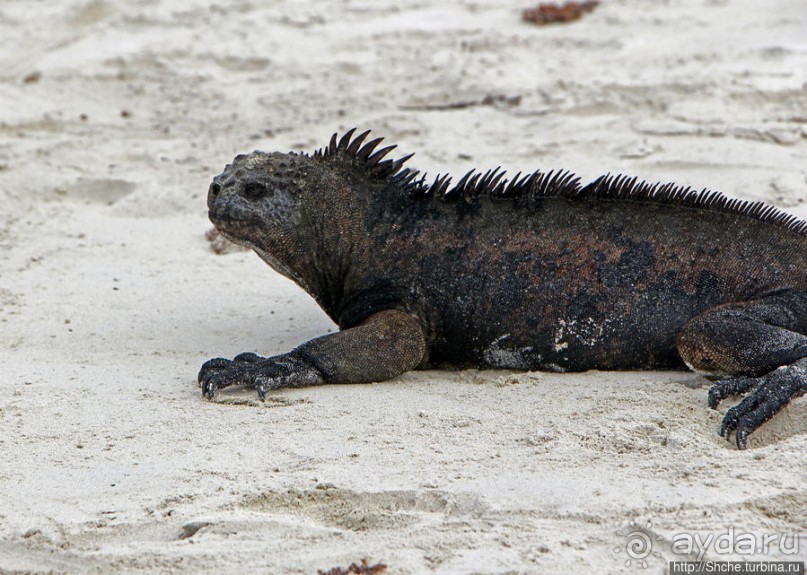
(110, 299)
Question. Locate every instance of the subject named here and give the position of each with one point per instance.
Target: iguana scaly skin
(537, 272)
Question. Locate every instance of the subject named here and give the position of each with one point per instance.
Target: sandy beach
(115, 116)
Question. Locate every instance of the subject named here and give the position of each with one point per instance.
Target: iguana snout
(227, 209)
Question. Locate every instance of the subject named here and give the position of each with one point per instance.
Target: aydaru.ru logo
(730, 542)
(638, 544)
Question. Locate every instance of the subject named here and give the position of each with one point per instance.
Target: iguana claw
(261, 388)
(209, 390)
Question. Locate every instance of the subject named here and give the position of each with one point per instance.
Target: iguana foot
(761, 345)
(219, 372)
(264, 374)
(771, 392)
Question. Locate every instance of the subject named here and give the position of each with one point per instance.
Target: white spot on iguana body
(586, 332)
(496, 355)
(695, 369)
(553, 367)
(706, 373)
(560, 345)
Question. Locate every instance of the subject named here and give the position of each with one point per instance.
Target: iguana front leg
(385, 345)
(760, 348)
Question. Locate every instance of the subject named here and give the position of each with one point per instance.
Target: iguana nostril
(214, 189)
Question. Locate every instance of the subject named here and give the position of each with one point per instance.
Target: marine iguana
(536, 272)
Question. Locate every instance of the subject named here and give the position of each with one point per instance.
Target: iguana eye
(254, 190)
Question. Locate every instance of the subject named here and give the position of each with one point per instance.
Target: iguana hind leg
(759, 346)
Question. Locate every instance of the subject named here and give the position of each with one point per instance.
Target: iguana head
(261, 200)
(260, 193)
(256, 201)
(256, 193)
(305, 214)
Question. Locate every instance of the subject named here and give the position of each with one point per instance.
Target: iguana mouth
(227, 217)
